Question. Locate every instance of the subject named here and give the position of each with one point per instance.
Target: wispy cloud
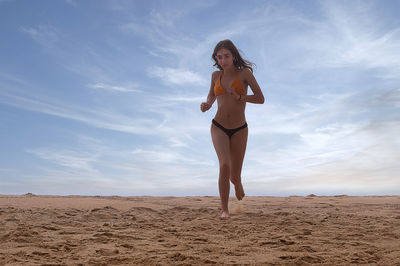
(181, 99)
(165, 155)
(95, 116)
(345, 159)
(45, 35)
(172, 41)
(72, 3)
(340, 141)
(176, 76)
(165, 19)
(96, 159)
(70, 159)
(347, 37)
(114, 88)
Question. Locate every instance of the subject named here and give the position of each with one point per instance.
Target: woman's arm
(257, 96)
(211, 96)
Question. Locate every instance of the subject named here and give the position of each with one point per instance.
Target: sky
(103, 97)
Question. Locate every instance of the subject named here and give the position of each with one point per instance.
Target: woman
(229, 128)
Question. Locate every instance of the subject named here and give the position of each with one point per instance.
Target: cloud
(72, 3)
(45, 35)
(176, 76)
(363, 159)
(346, 36)
(147, 169)
(342, 142)
(169, 34)
(67, 158)
(344, 158)
(182, 99)
(167, 156)
(166, 18)
(114, 88)
(97, 117)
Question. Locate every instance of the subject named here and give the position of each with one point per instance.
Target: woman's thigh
(221, 144)
(237, 151)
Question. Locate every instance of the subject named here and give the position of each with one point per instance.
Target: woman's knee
(224, 169)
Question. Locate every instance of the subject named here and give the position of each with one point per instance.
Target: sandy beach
(78, 230)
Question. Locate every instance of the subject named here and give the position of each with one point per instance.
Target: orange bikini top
(236, 84)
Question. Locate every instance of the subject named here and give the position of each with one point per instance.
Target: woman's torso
(231, 112)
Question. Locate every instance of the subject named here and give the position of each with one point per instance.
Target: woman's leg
(236, 155)
(221, 145)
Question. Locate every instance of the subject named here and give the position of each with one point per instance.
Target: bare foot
(239, 191)
(224, 215)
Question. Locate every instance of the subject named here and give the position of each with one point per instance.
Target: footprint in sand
(107, 252)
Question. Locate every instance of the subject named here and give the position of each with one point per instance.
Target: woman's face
(224, 58)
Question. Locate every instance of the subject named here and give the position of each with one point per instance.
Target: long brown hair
(238, 61)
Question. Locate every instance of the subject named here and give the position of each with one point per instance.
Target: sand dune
(74, 230)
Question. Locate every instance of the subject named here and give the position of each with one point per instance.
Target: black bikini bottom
(227, 131)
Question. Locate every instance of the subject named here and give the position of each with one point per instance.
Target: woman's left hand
(233, 93)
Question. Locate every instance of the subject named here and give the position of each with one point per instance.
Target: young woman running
(229, 128)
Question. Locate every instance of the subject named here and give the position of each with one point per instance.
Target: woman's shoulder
(245, 71)
(215, 74)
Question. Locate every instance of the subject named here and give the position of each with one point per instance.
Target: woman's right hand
(205, 106)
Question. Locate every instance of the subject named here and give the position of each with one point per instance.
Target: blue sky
(103, 97)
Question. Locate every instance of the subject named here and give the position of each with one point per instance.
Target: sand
(76, 230)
